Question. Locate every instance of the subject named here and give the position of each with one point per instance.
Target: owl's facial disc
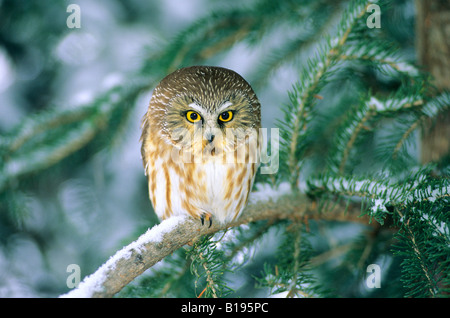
(209, 128)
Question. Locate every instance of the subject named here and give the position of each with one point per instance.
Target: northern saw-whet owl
(201, 144)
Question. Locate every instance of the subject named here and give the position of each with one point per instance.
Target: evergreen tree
(350, 191)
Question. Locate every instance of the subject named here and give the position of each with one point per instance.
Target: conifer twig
(173, 233)
(311, 81)
(296, 266)
(418, 254)
(209, 279)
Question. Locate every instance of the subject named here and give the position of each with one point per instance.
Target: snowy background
(85, 219)
(103, 205)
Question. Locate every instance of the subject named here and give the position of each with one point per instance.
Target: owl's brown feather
(188, 172)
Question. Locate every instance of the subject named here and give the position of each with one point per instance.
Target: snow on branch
(175, 232)
(94, 283)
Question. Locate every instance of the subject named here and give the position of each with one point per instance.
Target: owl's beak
(212, 142)
(210, 133)
(210, 137)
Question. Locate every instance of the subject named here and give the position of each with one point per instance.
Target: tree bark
(134, 259)
(433, 53)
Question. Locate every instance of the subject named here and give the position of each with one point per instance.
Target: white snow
(156, 233)
(389, 104)
(379, 205)
(402, 66)
(266, 192)
(440, 228)
(376, 104)
(94, 282)
(407, 68)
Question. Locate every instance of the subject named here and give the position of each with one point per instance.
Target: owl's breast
(223, 189)
(189, 188)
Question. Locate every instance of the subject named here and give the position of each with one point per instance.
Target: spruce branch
(378, 53)
(426, 256)
(408, 99)
(312, 79)
(220, 30)
(175, 232)
(247, 241)
(405, 137)
(357, 124)
(47, 138)
(296, 267)
(205, 254)
(418, 202)
(399, 194)
(46, 156)
(293, 49)
(290, 274)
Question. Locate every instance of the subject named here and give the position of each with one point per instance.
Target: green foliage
(348, 130)
(208, 267)
(49, 137)
(423, 243)
(291, 275)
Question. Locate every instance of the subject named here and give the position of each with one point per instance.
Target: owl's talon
(207, 217)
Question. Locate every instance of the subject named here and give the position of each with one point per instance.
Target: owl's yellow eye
(192, 116)
(226, 116)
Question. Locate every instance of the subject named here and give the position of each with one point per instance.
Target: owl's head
(204, 109)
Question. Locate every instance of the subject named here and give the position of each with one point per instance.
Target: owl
(200, 144)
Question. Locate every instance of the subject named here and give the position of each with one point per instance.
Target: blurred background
(84, 208)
